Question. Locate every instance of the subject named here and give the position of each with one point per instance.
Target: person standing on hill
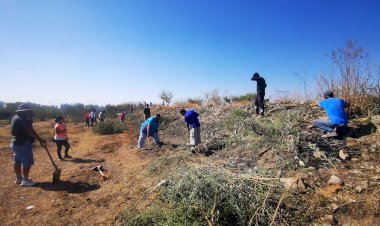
(260, 93)
(337, 123)
(23, 135)
(102, 115)
(93, 118)
(88, 119)
(149, 129)
(60, 137)
(122, 116)
(146, 112)
(193, 125)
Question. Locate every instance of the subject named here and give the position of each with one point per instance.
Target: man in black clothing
(146, 112)
(260, 93)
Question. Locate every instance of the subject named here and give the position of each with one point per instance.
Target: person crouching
(149, 129)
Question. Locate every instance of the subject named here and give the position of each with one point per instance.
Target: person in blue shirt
(193, 125)
(149, 129)
(338, 120)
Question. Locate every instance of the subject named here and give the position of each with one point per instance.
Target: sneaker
(60, 159)
(67, 156)
(329, 135)
(27, 183)
(18, 181)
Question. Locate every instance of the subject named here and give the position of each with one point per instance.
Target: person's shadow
(361, 130)
(68, 186)
(79, 160)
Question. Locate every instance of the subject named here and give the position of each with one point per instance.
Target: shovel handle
(51, 159)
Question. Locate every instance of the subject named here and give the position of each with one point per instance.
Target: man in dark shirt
(193, 125)
(146, 112)
(23, 135)
(260, 93)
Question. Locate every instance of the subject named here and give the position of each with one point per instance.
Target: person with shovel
(23, 135)
(260, 93)
(193, 125)
(337, 123)
(149, 129)
(60, 137)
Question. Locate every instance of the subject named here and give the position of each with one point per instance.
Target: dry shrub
(213, 98)
(352, 79)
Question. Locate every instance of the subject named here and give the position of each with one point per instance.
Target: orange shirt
(60, 135)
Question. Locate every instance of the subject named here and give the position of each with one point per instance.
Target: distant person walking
(88, 119)
(132, 109)
(93, 118)
(193, 125)
(149, 129)
(335, 109)
(23, 135)
(260, 93)
(102, 115)
(122, 116)
(60, 137)
(146, 112)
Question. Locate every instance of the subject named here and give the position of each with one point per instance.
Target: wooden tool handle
(51, 159)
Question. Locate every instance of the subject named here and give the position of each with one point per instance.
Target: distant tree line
(72, 112)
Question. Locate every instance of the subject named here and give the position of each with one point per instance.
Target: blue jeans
(143, 136)
(324, 125)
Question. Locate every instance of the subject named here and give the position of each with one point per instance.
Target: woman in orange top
(60, 137)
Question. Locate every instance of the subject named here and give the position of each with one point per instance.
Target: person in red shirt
(60, 137)
(88, 119)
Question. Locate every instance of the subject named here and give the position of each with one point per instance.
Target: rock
(328, 219)
(358, 189)
(334, 180)
(301, 163)
(29, 207)
(334, 207)
(364, 184)
(294, 183)
(318, 154)
(343, 154)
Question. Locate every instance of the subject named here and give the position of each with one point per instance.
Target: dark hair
(182, 111)
(58, 118)
(256, 75)
(158, 116)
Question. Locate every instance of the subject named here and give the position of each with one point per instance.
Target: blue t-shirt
(153, 125)
(191, 118)
(334, 108)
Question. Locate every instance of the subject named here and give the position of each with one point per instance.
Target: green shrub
(108, 127)
(245, 97)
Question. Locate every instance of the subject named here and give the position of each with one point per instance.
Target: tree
(352, 77)
(166, 97)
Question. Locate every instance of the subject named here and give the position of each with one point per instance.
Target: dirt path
(82, 197)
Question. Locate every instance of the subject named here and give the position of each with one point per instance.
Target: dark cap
(328, 93)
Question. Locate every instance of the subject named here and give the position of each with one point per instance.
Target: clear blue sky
(99, 52)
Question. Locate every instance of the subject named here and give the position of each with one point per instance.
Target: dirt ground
(82, 197)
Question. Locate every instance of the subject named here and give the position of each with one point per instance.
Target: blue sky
(100, 52)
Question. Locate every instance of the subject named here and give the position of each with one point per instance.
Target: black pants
(259, 103)
(61, 143)
(93, 120)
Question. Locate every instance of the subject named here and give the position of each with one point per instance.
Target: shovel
(57, 171)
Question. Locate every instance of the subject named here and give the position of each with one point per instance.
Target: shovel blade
(56, 176)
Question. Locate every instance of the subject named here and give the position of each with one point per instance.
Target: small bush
(197, 101)
(246, 97)
(108, 127)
